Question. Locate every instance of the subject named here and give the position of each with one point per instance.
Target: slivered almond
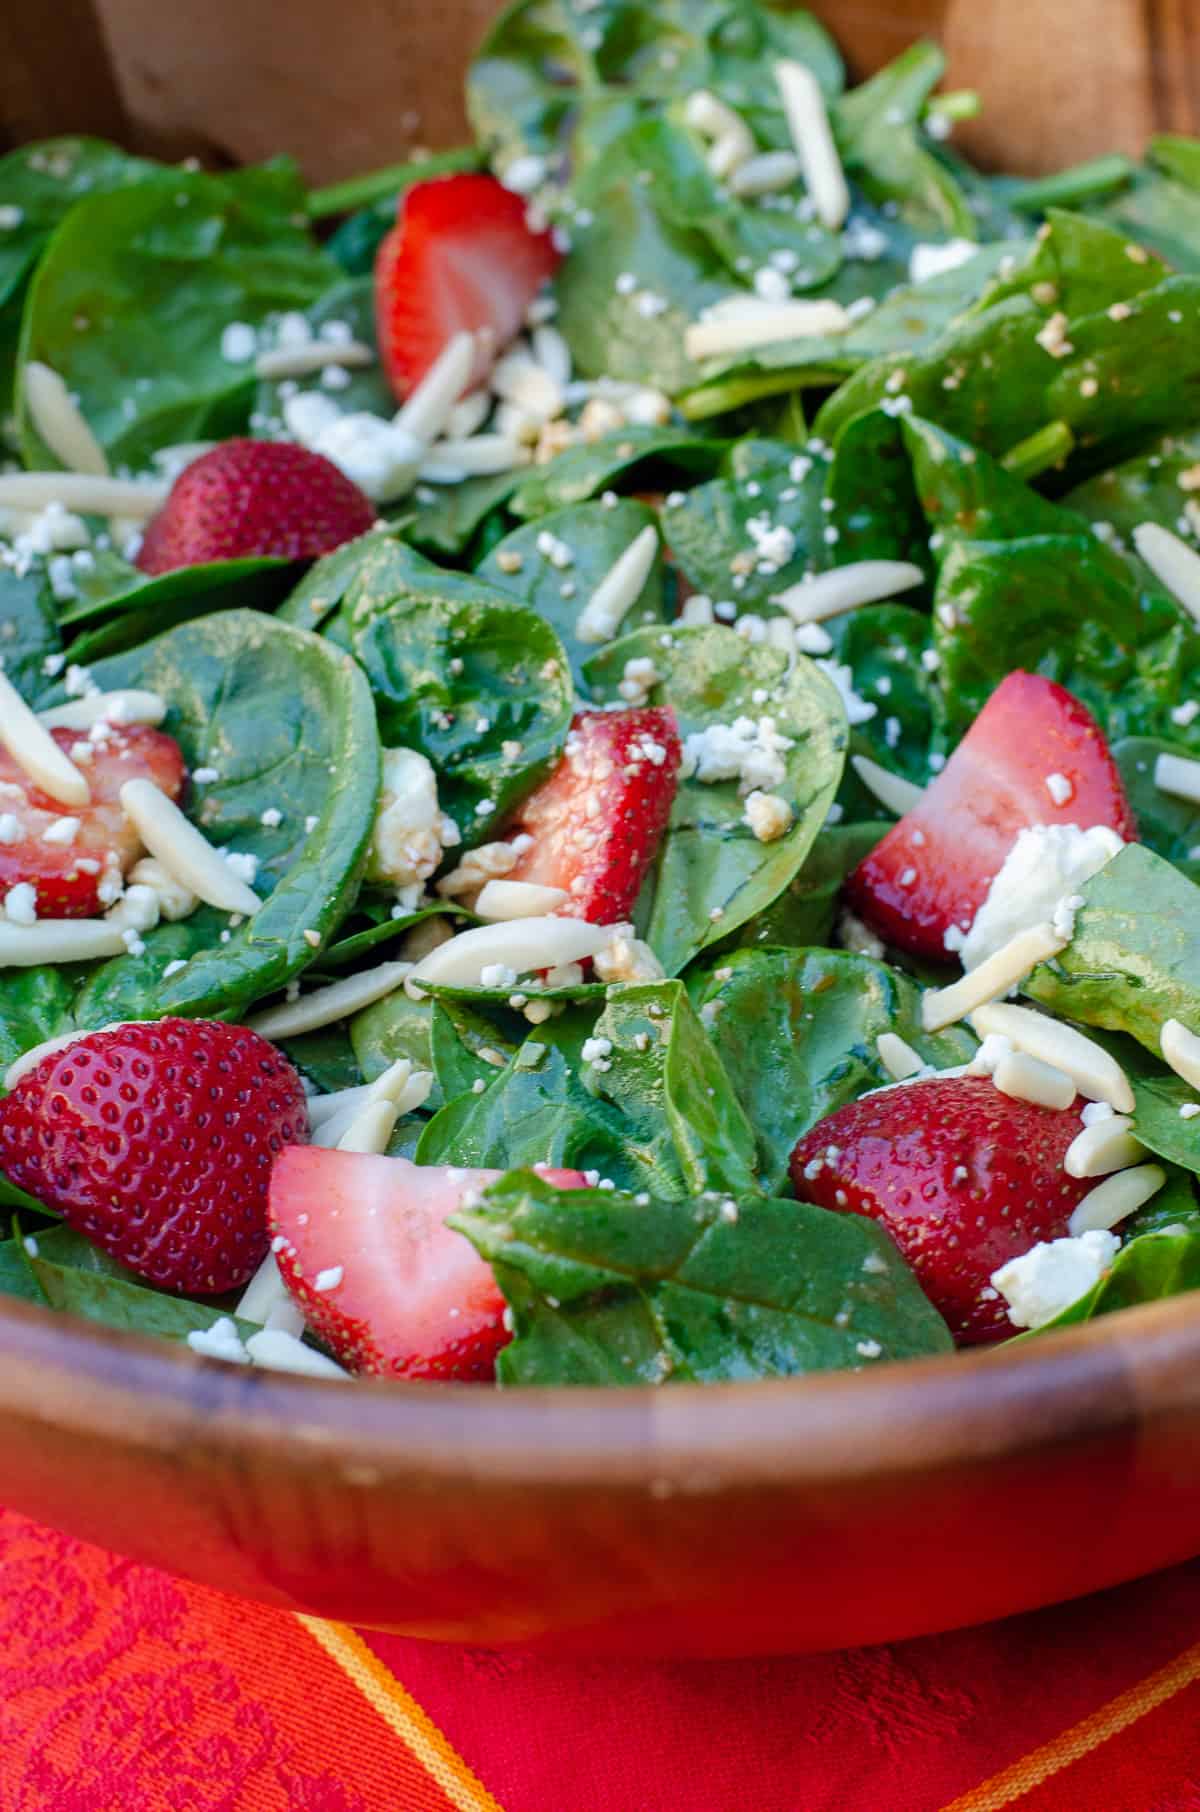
(846, 587)
(1027, 1078)
(1003, 970)
(1095, 1074)
(808, 123)
(618, 590)
(265, 1295)
(898, 1058)
(370, 1129)
(522, 944)
(315, 355)
(59, 941)
(1181, 1049)
(1176, 775)
(764, 325)
(35, 751)
(766, 174)
(126, 707)
(428, 409)
(1104, 1147)
(277, 1350)
(501, 900)
(59, 422)
(326, 1005)
(84, 491)
(185, 854)
(1172, 562)
(1116, 1198)
(892, 790)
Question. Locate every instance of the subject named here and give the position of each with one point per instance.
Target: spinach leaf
(286, 721)
(712, 874)
(461, 672)
(28, 633)
(1168, 826)
(1154, 486)
(112, 588)
(541, 1110)
(35, 1004)
(129, 299)
(352, 567)
(1069, 607)
(609, 1289)
(448, 520)
(805, 911)
(638, 454)
(1134, 960)
(550, 79)
(1156, 211)
(41, 183)
(326, 1057)
(597, 536)
(878, 128)
(707, 529)
(883, 646)
(665, 1076)
(796, 1031)
(464, 1047)
(77, 1278)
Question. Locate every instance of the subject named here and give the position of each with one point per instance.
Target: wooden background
(344, 86)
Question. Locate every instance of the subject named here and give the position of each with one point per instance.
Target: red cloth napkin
(125, 1690)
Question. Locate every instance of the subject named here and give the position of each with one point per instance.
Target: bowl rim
(921, 1415)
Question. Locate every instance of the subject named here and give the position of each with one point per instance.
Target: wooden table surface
(354, 85)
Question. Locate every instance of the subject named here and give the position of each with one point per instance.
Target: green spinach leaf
(607, 1288)
(796, 1030)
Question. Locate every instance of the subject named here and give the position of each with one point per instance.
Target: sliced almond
(1116, 1199)
(1003, 970)
(35, 751)
(185, 854)
(324, 1006)
(1095, 1074)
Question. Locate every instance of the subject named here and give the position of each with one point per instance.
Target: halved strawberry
(460, 259)
(597, 822)
(254, 498)
(68, 866)
(962, 1177)
(379, 1276)
(1034, 755)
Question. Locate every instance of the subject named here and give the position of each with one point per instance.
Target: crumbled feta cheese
(20, 904)
(750, 750)
(858, 710)
(239, 343)
(10, 828)
(220, 1341)
(1059, 788)
(1052, 1275)
(626, 958)
(410, 829)
(769, 816)
(1046, 865)
(497, 975)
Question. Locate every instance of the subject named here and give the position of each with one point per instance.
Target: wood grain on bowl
(716, 1521)
(1061, 82)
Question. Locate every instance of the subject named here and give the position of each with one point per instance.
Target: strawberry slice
(933, 869)
(254, 499)
(155, 1139)
(962, 1177)
(381, 1279)
(597, 822)
(461, 259)
(72, 869)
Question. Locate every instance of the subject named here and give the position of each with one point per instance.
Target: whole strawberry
(962, 1177)
(156, 1140)
(254, 497)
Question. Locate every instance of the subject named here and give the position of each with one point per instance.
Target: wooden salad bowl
(738, 1519)
(694, 1520)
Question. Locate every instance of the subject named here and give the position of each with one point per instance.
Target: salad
(600, 734)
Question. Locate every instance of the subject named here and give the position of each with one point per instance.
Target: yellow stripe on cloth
(1012, 1783)
(401, 1713)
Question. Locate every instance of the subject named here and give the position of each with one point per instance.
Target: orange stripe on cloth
(400, 1711)
(1017, 1782)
